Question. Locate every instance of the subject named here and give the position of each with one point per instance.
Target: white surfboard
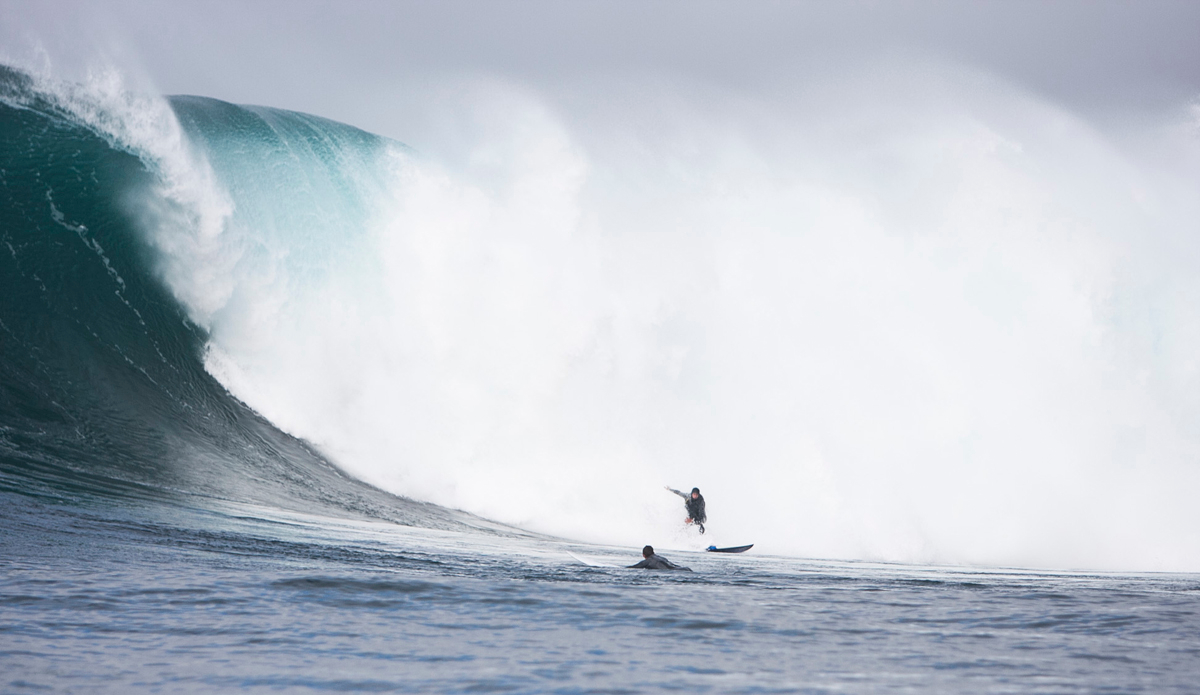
(589, 562)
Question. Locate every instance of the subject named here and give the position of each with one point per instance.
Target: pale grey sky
(353, 61)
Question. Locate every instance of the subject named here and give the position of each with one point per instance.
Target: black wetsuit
(695, 507)
(658, 562)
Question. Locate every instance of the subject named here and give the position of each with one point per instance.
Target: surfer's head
(695, 492)
(648, 551)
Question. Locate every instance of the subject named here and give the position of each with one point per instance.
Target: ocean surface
(103, 597)
(158, 534)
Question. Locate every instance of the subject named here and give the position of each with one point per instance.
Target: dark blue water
(158, 535)
(104, 600)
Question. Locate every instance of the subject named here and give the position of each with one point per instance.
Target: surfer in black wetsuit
(652, 561)
(695, 507)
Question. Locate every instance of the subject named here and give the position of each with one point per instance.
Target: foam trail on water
(916, 316)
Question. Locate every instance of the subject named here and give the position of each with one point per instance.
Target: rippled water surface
(101, 599)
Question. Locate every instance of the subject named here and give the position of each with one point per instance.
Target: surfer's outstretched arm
(684, 495)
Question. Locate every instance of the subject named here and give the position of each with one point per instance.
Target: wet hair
(696, 490)
(648, 551)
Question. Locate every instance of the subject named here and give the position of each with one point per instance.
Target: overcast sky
(353, 61)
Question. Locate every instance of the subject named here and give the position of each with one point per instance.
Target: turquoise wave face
(291, 181)
(103, 389)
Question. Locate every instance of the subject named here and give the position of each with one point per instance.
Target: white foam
(186, 215)
(904, 317)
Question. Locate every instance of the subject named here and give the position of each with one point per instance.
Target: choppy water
(97, 601)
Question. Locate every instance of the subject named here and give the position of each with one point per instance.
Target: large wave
(102, 383)
(907, 316)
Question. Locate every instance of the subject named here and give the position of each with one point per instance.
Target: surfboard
(589, 562)
(734, 549)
